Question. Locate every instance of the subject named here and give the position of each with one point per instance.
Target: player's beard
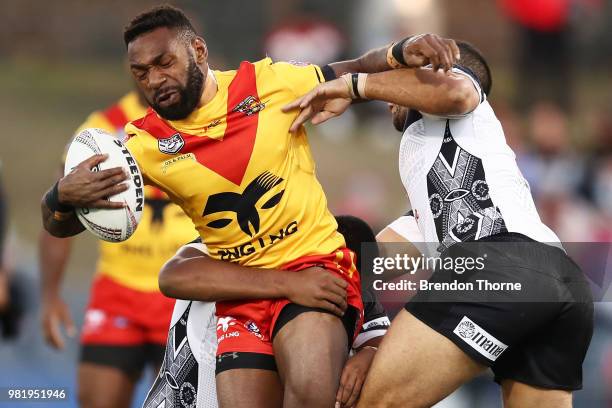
(189, 95)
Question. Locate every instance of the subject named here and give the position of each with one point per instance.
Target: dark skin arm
(436, 93)
(355, 372)
(192, 275)
(53, 255)
(418, 51)
(83, 188)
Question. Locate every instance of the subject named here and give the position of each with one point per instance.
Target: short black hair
(472, 58)
(159, 16)
(356, 231)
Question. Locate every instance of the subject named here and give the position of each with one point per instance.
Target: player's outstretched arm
(82, 187)
(425, 90)
(411, 52)
(192, 275)
(53, 255)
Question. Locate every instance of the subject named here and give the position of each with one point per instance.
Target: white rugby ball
(113, 225)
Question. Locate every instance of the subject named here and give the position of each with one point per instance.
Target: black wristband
(354, 80)
(398, 51)
(53, 203)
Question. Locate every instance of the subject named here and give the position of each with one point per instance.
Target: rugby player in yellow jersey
(127, 318)
(288, 296)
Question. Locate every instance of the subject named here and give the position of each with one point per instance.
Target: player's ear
(201, 50)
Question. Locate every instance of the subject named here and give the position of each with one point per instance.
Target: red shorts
(121, 316)
(248, 326)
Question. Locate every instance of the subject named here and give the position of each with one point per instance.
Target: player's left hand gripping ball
(109, 224)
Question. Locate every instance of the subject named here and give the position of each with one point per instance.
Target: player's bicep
(464, 91)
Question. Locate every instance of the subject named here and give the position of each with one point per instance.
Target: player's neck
(210, 89)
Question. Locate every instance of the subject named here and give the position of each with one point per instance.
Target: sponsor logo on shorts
(479, 339)
(224, 323)
(94, 319)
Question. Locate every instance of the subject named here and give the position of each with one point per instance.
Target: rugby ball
(113, 225)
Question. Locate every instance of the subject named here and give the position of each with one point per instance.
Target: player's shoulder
(131, 106)
(141, 126)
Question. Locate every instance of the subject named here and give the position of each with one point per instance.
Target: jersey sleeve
(301, 77)
(375, 322)
(132, 142)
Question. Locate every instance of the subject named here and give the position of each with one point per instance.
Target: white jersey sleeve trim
(369, 335)
(197, 245)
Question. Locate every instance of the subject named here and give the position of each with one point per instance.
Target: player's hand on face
(353, 376)
(325, 101)
(83, 187)
(56, 314)
(319, 288)
(432, 49)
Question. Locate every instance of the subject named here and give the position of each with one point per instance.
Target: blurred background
(552, 86)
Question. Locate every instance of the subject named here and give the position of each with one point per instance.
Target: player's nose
(156, 79)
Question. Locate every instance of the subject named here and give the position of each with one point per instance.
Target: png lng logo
(244, 205)
(224, 323)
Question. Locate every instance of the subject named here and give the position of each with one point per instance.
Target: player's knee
(382, 394)
(309, 393)
(89, 399)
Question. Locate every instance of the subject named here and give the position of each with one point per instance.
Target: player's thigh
(104, 386)
(415, 366)
(107, 374)
(249, 388)
(311, 349)
(520, 395)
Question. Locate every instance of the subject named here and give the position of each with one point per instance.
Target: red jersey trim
(116, 116)
(229, 157)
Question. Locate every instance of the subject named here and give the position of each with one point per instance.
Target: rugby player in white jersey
(470, 198)
(187, 375)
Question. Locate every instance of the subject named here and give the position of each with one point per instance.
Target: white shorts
(187, 375)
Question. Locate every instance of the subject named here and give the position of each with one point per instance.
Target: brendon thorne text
(423, 284)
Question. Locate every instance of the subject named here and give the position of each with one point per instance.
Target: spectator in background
(543, 35)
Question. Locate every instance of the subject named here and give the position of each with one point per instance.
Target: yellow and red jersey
(163, 229)
(247, 183)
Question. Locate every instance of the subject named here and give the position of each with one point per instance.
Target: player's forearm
(53, 255)
(427, 91)
(60, 225)
(372, 61)
(207, 279)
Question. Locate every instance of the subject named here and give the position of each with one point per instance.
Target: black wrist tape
(52, 201)
(398, 51)
(354, 80)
